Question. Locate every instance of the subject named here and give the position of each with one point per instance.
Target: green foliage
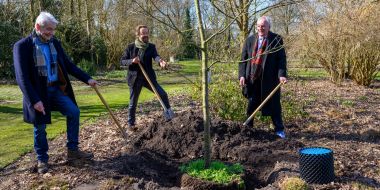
(292, 107)
(347, 103)
(9, 34)
(217, 172)
(116, 74)
(293, 183)
(226, 99)
(100, 51)
(74, 40)
(188, 48)
(87, 66)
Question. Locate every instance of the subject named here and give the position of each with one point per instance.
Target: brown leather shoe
(42, 167)
(78, 154)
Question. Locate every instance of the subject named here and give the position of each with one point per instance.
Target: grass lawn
(17, 136)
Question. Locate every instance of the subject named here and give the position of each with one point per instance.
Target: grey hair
(45, 18)
(267, 19)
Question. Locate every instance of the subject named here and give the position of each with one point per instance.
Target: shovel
(262, 104)
(168, 114)
(112, 115)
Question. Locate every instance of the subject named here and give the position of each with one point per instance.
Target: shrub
(9, 34)
(100, 51)
(339, 43)
(227, 101)
(225, 97)
(87, 66)
(217, 172)
(293, 183)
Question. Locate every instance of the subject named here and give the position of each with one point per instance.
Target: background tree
(188, 48)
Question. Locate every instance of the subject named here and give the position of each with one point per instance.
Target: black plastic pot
(316, 165)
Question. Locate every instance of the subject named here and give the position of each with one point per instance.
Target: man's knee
(74, 112)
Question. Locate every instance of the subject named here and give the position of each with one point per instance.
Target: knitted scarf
(142, 47)
(39, 57)
(258, 58)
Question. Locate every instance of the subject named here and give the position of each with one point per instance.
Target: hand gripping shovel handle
(263, 103)
(152, 86)
(109, 110)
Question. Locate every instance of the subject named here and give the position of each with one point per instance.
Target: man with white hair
(42, 68)
(262, 68)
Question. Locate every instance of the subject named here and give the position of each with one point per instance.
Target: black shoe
(42, 167)
(131, 127)
(78, 154)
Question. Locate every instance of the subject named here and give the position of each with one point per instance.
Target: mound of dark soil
(181, 139)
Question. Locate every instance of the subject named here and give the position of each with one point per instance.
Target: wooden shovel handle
(111, 113)
(152, 86)
(263, 103)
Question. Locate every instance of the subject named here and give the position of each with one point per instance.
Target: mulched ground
(345, 119)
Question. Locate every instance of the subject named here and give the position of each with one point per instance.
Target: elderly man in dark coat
(262, 68)
(42, 68)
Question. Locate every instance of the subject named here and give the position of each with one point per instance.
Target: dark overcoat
(134, 70)
(33, 86)
(273, 68)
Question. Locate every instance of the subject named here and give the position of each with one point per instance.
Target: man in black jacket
(262, 68)
(42, 68)
(142, 52)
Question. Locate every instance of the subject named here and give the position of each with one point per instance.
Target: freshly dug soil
(345, 119)
(181, 139)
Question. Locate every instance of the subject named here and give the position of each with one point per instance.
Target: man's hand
(39, 106)
(163, 63)
(92, 82)
(283, 80)
(136, 60)
(242, 81)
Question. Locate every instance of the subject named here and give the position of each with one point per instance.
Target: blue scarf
(39, 58)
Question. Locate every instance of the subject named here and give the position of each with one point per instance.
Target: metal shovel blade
(168, 114)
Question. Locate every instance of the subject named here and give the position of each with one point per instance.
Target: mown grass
(17, 136)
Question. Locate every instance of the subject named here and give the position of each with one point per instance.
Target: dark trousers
(135, 93)
(66, 106)
(254, 101)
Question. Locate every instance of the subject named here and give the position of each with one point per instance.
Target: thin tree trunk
(41, 5)
(32, 12)
(244, 20)
(80, 9)
(205, 103)
(72, 11)
(88, 29)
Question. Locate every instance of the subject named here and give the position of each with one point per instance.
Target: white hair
(266, 19)
(45, 18)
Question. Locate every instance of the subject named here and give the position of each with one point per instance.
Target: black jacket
(33, 86)
(133, 69)
(273, 68)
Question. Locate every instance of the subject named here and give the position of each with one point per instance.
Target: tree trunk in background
(72, 10)
(205, 93)
(41, 5)
(244, 20)
(32, 11)
(79, 9)
(88, 28)
(149, 20)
